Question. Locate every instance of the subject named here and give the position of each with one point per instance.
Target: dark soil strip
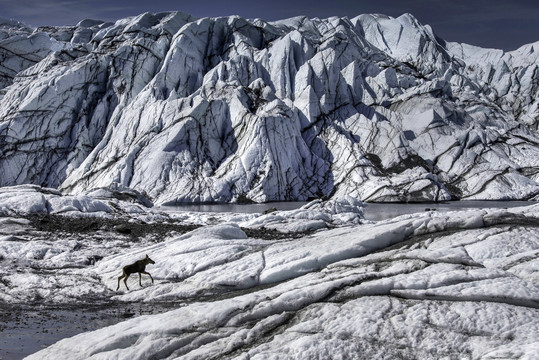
(58, 223)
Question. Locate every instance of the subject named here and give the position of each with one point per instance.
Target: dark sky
(503, 24)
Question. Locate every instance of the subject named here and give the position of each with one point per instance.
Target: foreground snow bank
(209, 259)
(315, 215)
(429, 285)
(114, 200)
(50, 243)
(32, 199)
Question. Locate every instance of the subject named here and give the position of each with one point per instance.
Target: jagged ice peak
(230, 109)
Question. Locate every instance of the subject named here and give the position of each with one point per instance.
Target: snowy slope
(429, 285)
(229, 109)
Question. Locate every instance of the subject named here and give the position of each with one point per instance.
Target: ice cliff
(230, 109)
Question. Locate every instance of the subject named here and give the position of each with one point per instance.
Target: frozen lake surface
(383, 211)
(373, 211)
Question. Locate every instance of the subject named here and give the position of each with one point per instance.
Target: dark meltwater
(373, 211)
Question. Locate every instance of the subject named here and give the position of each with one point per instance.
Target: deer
(139, 267)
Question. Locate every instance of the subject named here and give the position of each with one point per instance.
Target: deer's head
(148, 260)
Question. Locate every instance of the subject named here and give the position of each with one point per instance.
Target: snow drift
(427, 285)
(431, 285)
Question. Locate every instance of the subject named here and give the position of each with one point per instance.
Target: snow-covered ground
(427, 285)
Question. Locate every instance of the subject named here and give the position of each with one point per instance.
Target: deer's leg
(125, 280)
(147, 273)
(140, 279)
(120, 278)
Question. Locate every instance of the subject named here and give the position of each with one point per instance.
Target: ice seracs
(228, 109)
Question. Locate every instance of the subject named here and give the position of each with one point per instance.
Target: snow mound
(423, 285)
(315, 215)
(32, 199)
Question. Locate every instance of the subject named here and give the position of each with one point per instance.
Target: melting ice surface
(383, 211)
(432, 284)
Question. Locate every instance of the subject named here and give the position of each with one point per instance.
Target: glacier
(434, 284)
(103, 125)
(228, 109)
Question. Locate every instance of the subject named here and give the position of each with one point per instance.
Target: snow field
(424, 285)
